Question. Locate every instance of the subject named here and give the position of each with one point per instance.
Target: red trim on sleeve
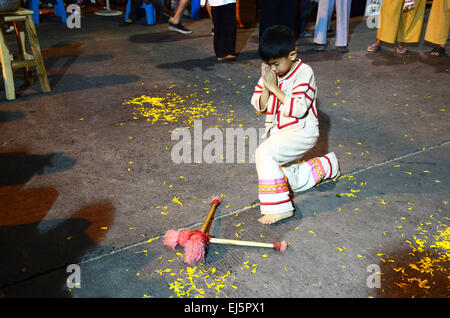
(291, 109)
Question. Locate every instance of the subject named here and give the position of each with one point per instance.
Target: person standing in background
(438, 26)
(223, 14)
(401, 22)
(324, 12)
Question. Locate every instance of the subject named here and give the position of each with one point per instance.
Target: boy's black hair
(276, 41)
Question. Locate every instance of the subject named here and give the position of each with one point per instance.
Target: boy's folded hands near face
(269, 78)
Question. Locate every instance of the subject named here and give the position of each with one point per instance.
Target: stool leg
(20, 35)
(42, 73)
(6, 65)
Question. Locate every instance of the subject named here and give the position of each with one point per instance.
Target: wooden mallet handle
(215, 202)
(282, 246)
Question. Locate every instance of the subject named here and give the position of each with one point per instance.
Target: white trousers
(280, 173)
(324, 12)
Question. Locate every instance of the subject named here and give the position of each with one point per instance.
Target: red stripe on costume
(275, 203)
(291, 109)
(276, 102)
(302, 93)
(331, 168)
(298, 66)
(259, 86)
(314, 110)
(272, 110)
(287, 124)
(305, 84)
(273, 191)
(257, 92)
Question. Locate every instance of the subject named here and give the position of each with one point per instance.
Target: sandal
(439, 50)
(400, 49)
(373, 48)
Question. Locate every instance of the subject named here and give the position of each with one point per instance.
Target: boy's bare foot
(273, 218)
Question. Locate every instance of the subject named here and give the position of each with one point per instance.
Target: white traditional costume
(293, 129)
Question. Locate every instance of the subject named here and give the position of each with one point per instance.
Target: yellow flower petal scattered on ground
(177, 201)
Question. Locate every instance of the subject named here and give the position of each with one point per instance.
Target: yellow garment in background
(396, 25)
(438, 22)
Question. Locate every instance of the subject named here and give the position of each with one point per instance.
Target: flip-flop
(373, 48)
(439, 50)
(400, 50)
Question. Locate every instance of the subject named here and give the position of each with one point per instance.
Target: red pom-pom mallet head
(171, 238)
(194, 250)
(281, 246)
(185, 235)
(216, 200)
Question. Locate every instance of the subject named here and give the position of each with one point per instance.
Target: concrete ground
(88, 176)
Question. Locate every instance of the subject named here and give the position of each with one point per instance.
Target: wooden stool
(22, 59)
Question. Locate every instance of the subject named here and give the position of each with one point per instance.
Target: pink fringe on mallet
(195, 247)
(171, 238)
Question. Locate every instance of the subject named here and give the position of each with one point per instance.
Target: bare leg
(208, 9)
(179, 11)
